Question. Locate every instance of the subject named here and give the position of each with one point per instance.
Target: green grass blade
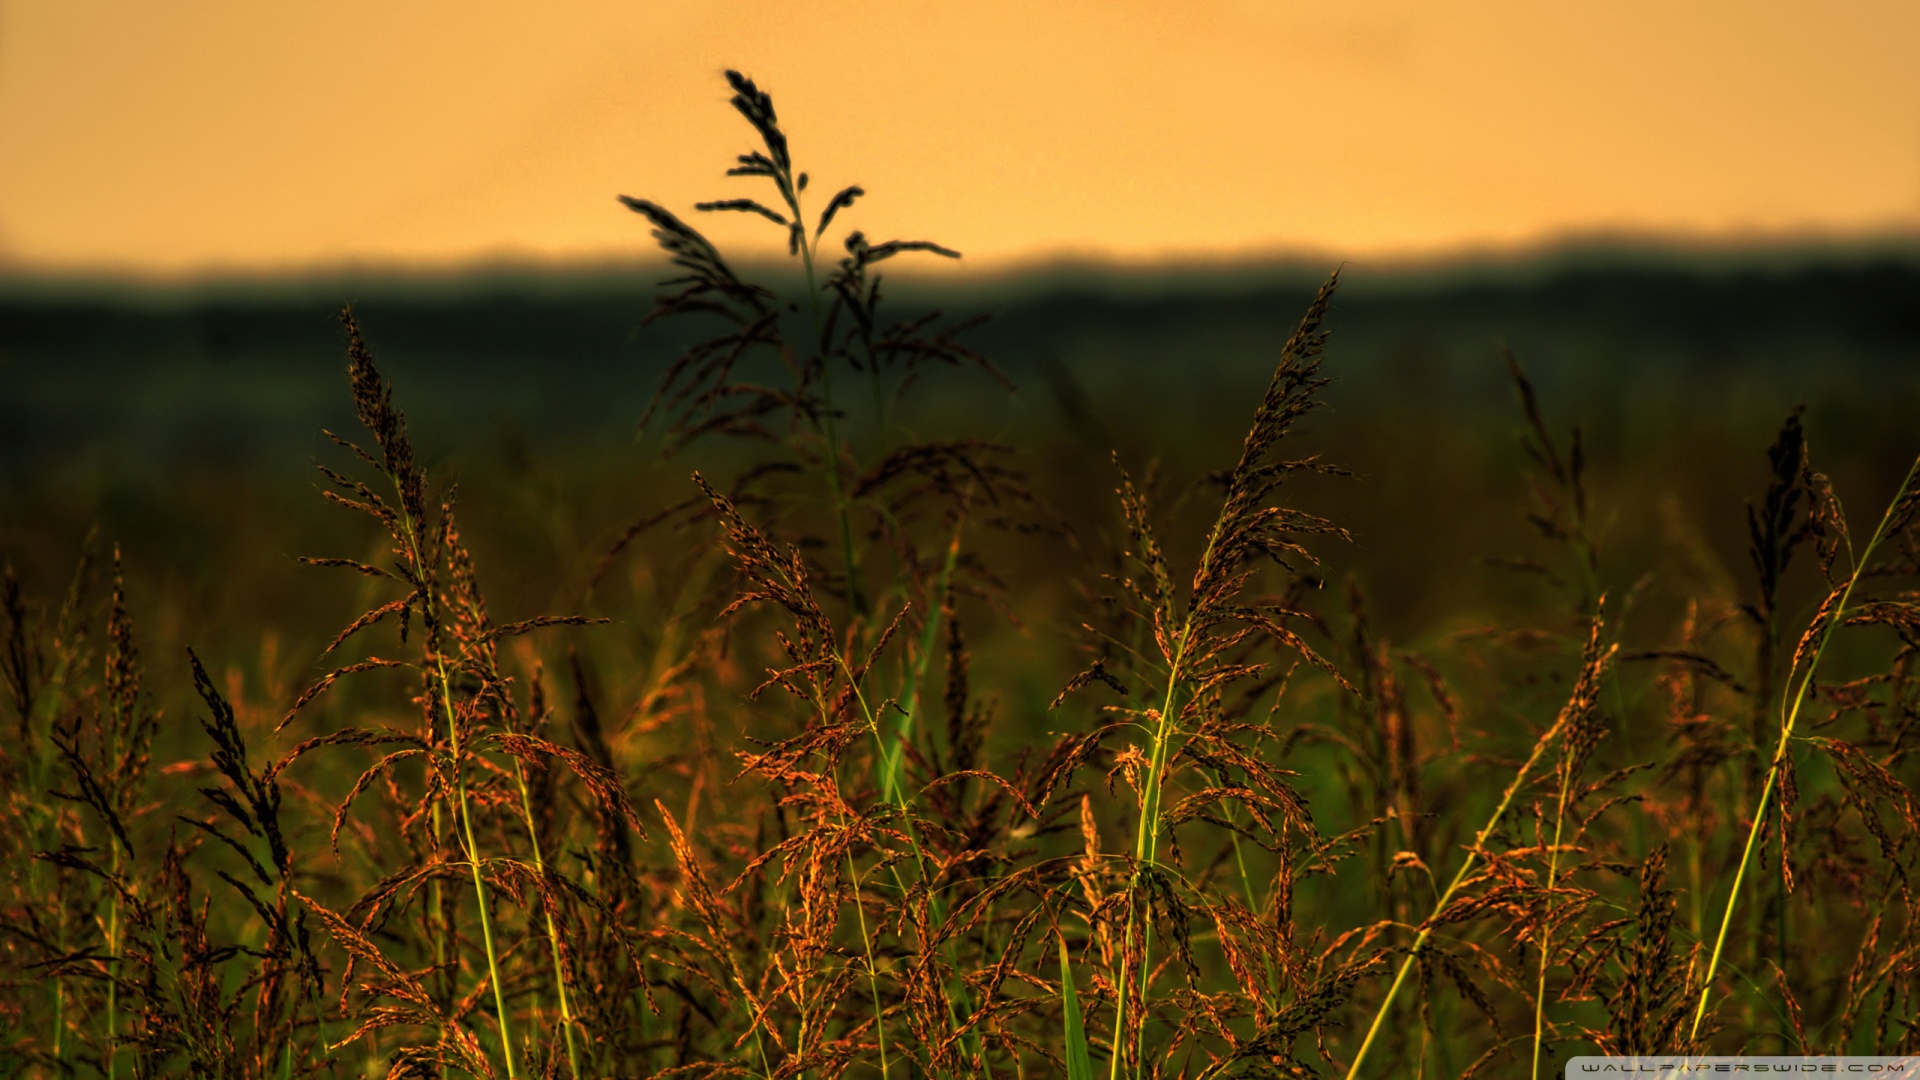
(1079, 1061)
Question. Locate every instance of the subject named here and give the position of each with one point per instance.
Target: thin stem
(1146, 837)
(893, 755)
(1473, 854)
(1790, 718)
(39, 766)
(472, 852)
(890, 756)
(1546, 927)
(873, 976)
(836, 486)
(471, 849)
(553, 937)
(437, 917)
(1233, 834)
(113, 978)
(1147, 831)
(913, 837)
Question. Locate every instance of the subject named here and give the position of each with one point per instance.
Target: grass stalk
(1146, 838)
(893, 755)
(553, 936)
(438, 912)
(443, 685)
(113, 965)
(873, 975)
(912, 833)
(38, 725)
(1790, 716)
(472, 852)
(835, 483)
(1546, 926)
(1473, 854)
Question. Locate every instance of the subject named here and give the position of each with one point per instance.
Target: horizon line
(1567, 249)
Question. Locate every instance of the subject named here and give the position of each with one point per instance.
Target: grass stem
(1546, 926)
(443, 687)
(1790, 709)
(1473, 855)
(553, 936)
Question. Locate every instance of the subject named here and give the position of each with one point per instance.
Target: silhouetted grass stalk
(836, 483)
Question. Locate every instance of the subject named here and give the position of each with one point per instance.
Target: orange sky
(182, 136)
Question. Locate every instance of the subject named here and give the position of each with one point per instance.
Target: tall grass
(1248, 836)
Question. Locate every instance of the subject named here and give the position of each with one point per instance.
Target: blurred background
(1683, 221)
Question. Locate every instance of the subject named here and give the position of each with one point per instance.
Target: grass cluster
(1247, 837)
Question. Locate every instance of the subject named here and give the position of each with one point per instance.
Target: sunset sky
(168, 137)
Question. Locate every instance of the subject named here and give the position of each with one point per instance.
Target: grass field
(890, 710)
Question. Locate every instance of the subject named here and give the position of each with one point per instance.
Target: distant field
(121, 404)
(183, 372)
